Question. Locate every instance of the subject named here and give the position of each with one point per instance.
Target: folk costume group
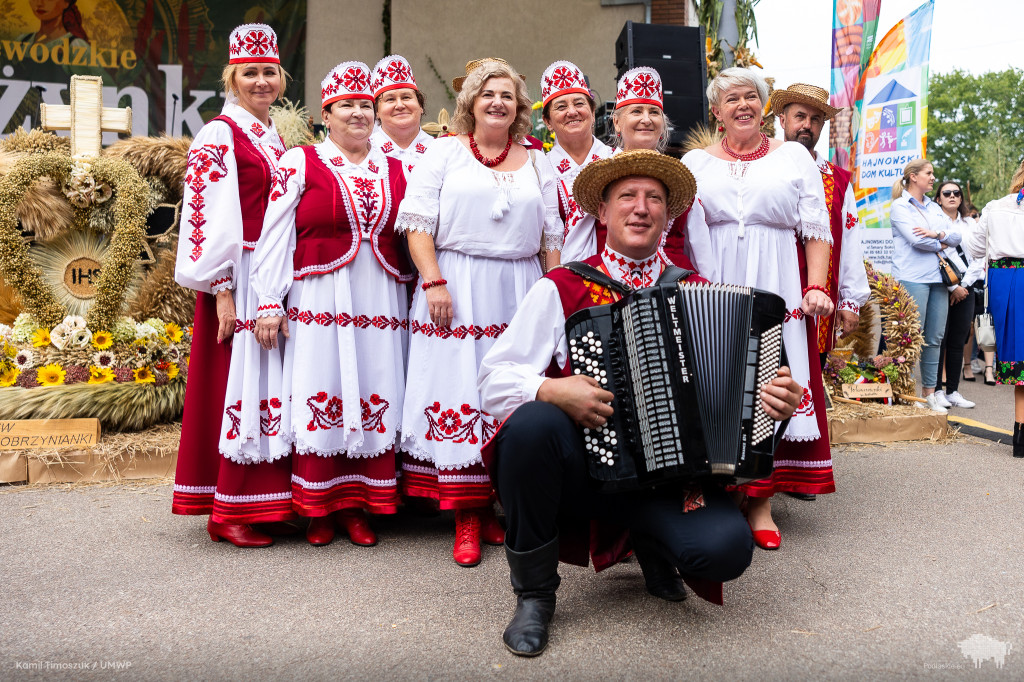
(380, 316)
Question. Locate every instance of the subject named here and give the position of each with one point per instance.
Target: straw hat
(811, 95)
(596, 176)
(473, 65)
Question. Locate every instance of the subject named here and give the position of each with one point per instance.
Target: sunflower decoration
(102, 340)
(172, 370)
(173, 332)
(100, 375)
(51, 375)
(144, 375)
(41, 337)
(8, 374)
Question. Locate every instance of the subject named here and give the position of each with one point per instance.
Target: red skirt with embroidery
(466, 488)
(205, 481)
(321, 485)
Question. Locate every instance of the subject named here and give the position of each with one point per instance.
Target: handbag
(949, 272)
(984, 328)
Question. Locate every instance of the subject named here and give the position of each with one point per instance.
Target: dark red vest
(254, 176)
(326, 239)
(673, 250)
(835, 192)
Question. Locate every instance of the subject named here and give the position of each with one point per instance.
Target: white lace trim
(271, 312)
(324, 485)
(324, 267)
(242, 499)
(798, 439)
(224, 286)
(409, 445)
(195, 489)
(415, 222)
(813, 230)
(304, 448)
(240, 457)
(797, 464)
(553, 241)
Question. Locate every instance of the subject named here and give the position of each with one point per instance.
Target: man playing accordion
(537, 460)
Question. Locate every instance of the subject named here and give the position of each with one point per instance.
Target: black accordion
(685, 363)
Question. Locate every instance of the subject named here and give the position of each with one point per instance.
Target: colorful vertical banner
(890, 125)
(854, 23)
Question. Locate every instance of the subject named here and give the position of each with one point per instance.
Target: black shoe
(534, 576)
(1018, 439)
(660, 575)
(987, 382)
(806, 497)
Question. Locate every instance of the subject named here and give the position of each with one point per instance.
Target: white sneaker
(934, 405)
(940, 397)
(957, 400)
(977, 365)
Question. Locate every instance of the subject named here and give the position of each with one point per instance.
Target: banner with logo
(163, 58)
(854, 24)
(890, 125)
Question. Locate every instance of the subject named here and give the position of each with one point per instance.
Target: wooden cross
(86, 117)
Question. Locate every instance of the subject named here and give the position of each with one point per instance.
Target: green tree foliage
(976, 130)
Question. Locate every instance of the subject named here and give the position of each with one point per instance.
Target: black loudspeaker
(677, 54)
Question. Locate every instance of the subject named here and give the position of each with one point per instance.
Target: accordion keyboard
(588, 358)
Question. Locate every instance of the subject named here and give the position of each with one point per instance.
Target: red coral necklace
(758, 153)
(490, 163)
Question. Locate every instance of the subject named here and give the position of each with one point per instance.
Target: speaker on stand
(677, 54)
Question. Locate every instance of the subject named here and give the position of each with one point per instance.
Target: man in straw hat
(802, 111)
(536, 460)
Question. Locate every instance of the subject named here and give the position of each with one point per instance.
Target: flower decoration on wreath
(901, 328)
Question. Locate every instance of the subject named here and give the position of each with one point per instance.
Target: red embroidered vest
(835, 192)
(326, 239)
(254, 175)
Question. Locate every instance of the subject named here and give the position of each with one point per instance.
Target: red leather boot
(320, 530)
(467, 537)
(237, 534)
(491, 531)
(358, 528)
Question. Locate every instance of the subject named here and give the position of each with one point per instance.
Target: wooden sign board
(856, 391)
(25, 434)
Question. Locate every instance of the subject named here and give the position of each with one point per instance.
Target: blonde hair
(912, 168)
(1017, 183)
(730, 78)
(464, 122)
(227, 77)
(663, 140)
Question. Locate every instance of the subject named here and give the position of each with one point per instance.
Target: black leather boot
(1018, 439)
(660, 574)
(534, 576)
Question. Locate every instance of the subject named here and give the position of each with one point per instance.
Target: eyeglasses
(951, 193)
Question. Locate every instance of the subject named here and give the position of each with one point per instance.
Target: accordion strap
(674, 273)
(592, 274)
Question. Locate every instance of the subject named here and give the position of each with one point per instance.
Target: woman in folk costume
(640, 123)
(480, 210)
(231, 163)
(765, 208)
(329, 247)
(399, 104)
(569, 113)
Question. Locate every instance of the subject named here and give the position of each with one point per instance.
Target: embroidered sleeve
(221, 282)
(853, 279)
(210, 243)
(811, 206)
(554, 228)
(513, 369)
(272, 265)
(421, 206)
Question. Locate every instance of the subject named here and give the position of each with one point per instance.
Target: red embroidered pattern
(372, 166)
(279, 182)
(421, 148)
(806, 406)
(638, 274)
(200, 162)
(257, 43)
(269, 425)
(354, 78)
(244, 326)
(459, 426)
(830, 189)
(218, 282)
(849, 305)
(563, 78)
(851, 220)
(563, 165)
(367, 201)
(410, 167)
(476, 331)
(693, 501)
(278, 152)
(338, 161)
(398, 72)
(595, 157)
(330, 416)
(344, 320)
(257, 129)
(793, 315)
(387, 147)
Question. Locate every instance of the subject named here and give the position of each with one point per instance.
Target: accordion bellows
(686, 363)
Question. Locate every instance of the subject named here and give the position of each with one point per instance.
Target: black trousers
(542, 481)
(958, 328)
